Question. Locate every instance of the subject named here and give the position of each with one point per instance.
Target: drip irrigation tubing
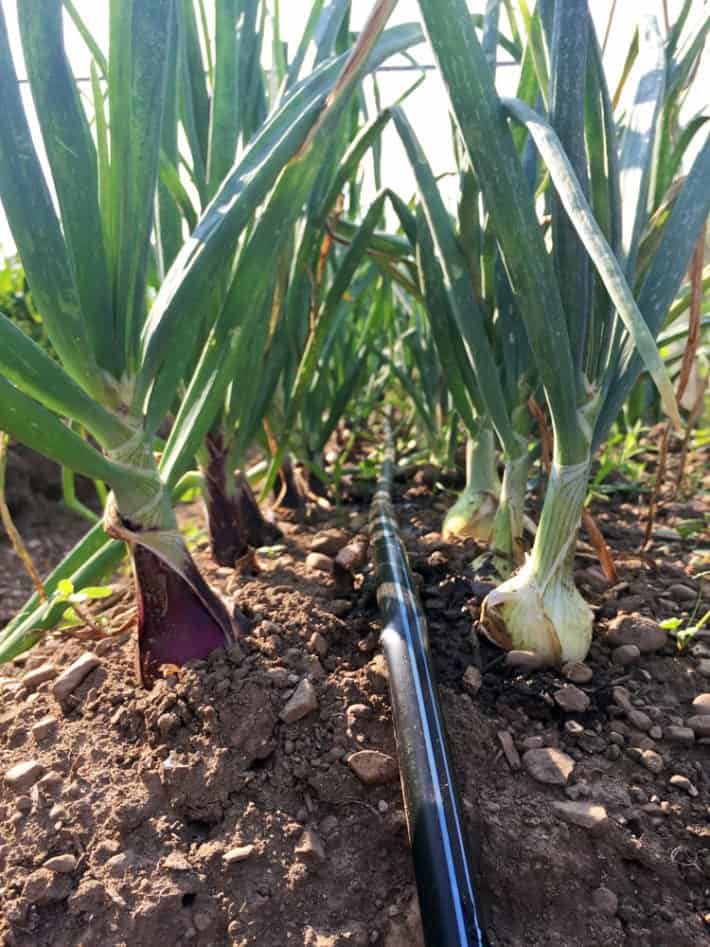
(447, 899)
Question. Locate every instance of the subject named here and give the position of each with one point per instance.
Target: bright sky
(425, 106)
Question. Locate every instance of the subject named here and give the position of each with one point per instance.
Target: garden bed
(196, 814)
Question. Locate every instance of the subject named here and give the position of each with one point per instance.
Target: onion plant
(124, 369)
(593, 303)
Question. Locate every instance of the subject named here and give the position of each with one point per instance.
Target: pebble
(577, 672)
(548, 765)
(318, 644)
(704, 667)
(302, 702)
(668, 533)
(356, 712)
(649, 758)
(329, 542)
(591, 742)
(683, 593)
(535, 742)
(44, 887)
(682, 735)
(70, 679)
(310, 846)
(656, 733)
(505, 738)
(524, 660)
(176, 861)
(37, 676)
(353, 557)
(587, 815)
(168, 723)
(23, 804)
(573, 728)
(373, 768)
(645, 633)
(682, 782)
(44, 728)
(699, 724)
(625, 654)
(701, 704)
(571, 699)
(472, 680)
(22, 776)
(605, 901)
(640, 720)
(239, 853)
(61, 864)
(622, 698)
(319, 563)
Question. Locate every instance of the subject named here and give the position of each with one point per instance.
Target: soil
(195, 814)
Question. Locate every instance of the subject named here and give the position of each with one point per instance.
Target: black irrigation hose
(450, 912)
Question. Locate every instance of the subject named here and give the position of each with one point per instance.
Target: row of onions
(126, 371)
(576, 227)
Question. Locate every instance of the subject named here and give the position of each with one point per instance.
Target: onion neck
(508, 534)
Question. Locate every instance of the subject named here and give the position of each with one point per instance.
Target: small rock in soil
(701, 704)
(640, 720)
(176, 861)
(329, 542)
(587, 815)
(319, 563)
(44, 728)
(44, 887)
(625, 655)
(649, 758)
(70, 679)
(37, 676)
(524, 660)
(61, 864)
(699, 724)
(682, 735)
(682, 782)
(605, 901)
(318, 644)
(239, 853)
(353, 557)
(574, 728)
(22, 776)
(645, 633)
(302, 702)
(511, 754)
(682, 593)
(310, 846)
(578, 672)
(549, 765)
(23, 804)
(622, 698)
(356, 712)
(472, 680)
(571, 699)
(704, 667)
(373, 768)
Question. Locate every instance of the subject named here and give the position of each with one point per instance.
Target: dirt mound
(220, 808)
